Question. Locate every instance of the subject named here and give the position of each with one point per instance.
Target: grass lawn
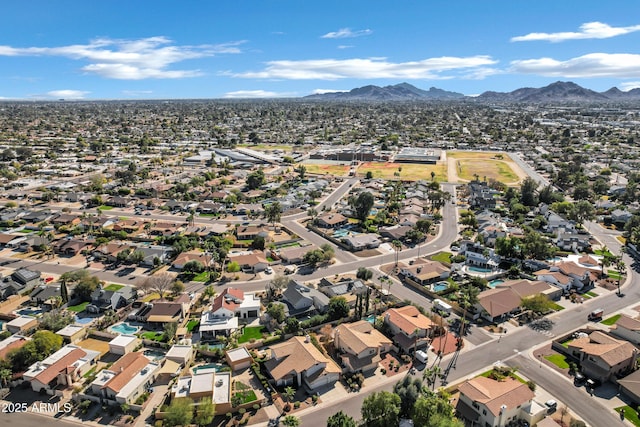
(565, 344)
(251, 332)
(154, 336)
(336, 170)
(614, 274)
(114, 287)
(601, 252)
(442, 257)
(25, 231)
(559, 360)
(556, 307)
(629, 414)
(409, 172)
(78, 308)
(201, 277)
(611, 320)
(89, 372)
(105, 207)
(206, 215)
(191, 324)
(247, 396)
(592, 294)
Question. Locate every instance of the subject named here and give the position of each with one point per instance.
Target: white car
(551, 404)
(268, 270)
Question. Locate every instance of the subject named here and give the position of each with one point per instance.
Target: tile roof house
(62, 368)
(425, 272)
(409, 327)
(331, 220)
(103, 300)
(162, 312)
(254, 262)
(19, 281)
(630, 386)
(298, 362)
(627, 328)
(360, 345)
(485, 401)
(13, 342)
(601, 356)
(125, 380)
(205, 384)
(229, 306)
(506, 297)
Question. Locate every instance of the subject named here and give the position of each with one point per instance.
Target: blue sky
(160, 49)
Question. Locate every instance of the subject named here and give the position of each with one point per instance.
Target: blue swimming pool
(83, 320)
(124, 328)
(479, 269)
(371, 319)
(440, 286)
(33, 312)
(154, 354)
(215, 366)
(494, 283)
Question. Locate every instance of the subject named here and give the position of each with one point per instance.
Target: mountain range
(555, 92)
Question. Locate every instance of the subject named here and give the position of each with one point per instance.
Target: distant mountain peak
(398, 92)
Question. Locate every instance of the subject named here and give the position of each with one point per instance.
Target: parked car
(579, 379)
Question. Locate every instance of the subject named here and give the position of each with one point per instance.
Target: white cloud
(244, 94)
(368, 68)
(345, 46)
(345, 33)
(589, 30)
(148, 58)
(322, 91)
(626, 86)
(67, 94)
(620, 65)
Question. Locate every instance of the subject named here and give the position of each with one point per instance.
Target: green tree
(272, 213)
(276, 284)
(290, 421)
(159, 283)
(381, 409)
(368, 175)
(193, 267)
(64, 293)
(397, 247)
(340, 419)
(205, 412)
(289, 393)
(302, 171)
(432, 409)
(528, 192)
(276, 311)
(364, 273)
(177, 287)
(338, 308)
(362, 205)
(291, 325)
(6, 374)
(85, 287)
(256, 179)
(409, 390)
(179, 413)
(170, 329)
(55, 320)
(538, 303)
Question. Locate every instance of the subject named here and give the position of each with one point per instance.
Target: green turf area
(559, 360)
(556, 307)
(191, 324)
(611, 320)
(247, 396)
(251, 332)
(201, 277)
(105, 207)
(153, 336)
(614, 274)
(78, 308)
(114, 287)
(592, 294)
(442, 257)
(630, 414)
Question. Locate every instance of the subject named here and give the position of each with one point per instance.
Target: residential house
(620, 217)
(164, 228)
(295, 254)
(425, 272)
(481, 196)
(10, 240)
(487, 402)
(345, 287)
(299, 363)
(154, 255)
(409, 327)
(302, 299)
(630, 386)
(206, 384)
(103, 299)
(72, 334)
(601, 357)
(71, 247)
(44, 294)
(61, 369)
(109, 251)
(21, 324)
(361, 242)
(35, 217)
(331, 220)
(250, 232)
(20, 281)
(506, 298)
(254, 262)
(233, 302)
(127, 379)
(64, 219)
(194, 255)
(123, 344)
(572, 241)
(238, 358)
(478, 255)
(627, 328)
(394, 232)
(360, 345)
(118, 202)
(11, 343)
(181, 354)
(163, 312)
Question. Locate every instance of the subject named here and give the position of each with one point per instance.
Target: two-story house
(601, 356)
(360, 345)
(409, 327)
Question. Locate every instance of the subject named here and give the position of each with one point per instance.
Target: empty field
(335, 170)
(404, 171)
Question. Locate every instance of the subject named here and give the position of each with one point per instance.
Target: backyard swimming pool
(440, 286)
(371, 319)
(83, 320)
(124, 328)
(217, 367)
(479, 269)
(33, 312)
(494, 283)
(154, 354)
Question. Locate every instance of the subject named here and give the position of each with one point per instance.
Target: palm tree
(272, 213)
(468, 298)
(430, 374)
(290, 421)
(289, 392)
(397, 246)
